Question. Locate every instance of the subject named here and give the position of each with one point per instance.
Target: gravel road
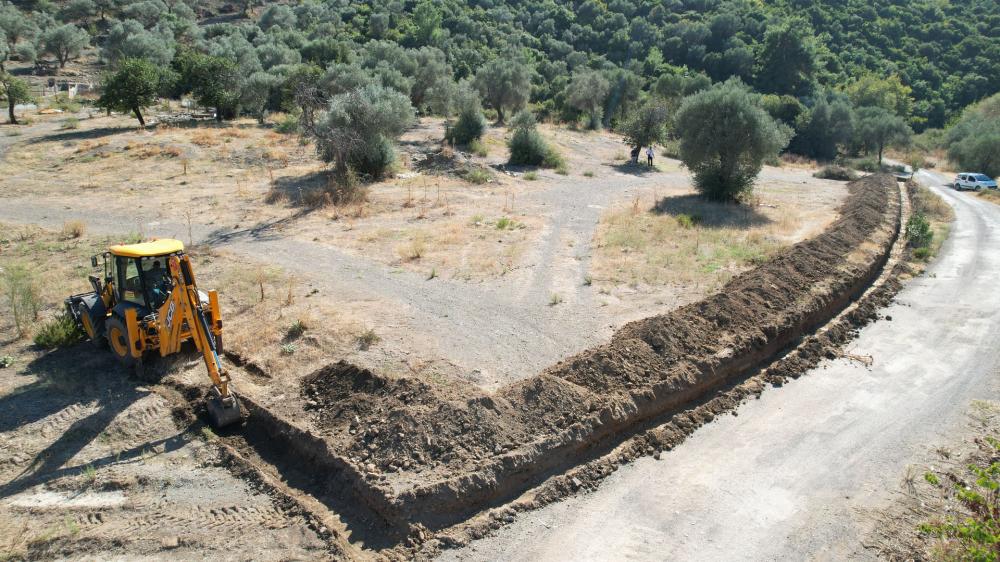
(792, 475)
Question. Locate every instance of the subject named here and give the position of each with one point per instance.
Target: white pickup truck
(975, 182)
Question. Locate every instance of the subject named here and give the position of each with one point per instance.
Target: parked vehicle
(975, 182)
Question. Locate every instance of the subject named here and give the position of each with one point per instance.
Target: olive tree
(15, 26)
(647, 126)
(65, 42)
(878, 128)
(359, 127)
(129, 39)
(134, 86)
(725, 136)
(504, 84)
(13, 90)
(587, 92)
(257, 91)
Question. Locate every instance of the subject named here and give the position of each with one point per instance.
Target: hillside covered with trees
(834, 74)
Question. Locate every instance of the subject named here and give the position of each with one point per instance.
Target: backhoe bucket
(224, 412)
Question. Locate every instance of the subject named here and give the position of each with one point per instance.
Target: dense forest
(819, 65)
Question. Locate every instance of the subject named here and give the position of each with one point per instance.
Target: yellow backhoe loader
(148, 301)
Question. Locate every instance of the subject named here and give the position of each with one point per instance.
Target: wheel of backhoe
(220, 414)
(96, 335)
(118, 341)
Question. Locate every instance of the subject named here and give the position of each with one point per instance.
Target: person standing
(649, 155)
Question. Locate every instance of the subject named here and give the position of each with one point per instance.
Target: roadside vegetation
(929, 223)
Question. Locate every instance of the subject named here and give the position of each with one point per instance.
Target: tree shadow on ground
(77, 135)
(634, 169)
(76, 375)
(711, 214)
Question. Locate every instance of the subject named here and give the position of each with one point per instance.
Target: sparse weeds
(70, 123)
(588, 174)
(288, 348)
(74, 229)
(367, 338)
(20, 287)
(975, 535)
(478, 148)
(555, 299)
(414, 249)
(531, 176)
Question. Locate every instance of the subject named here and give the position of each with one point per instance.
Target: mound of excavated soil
(424, 454)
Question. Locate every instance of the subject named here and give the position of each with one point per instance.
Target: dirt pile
(422, 454)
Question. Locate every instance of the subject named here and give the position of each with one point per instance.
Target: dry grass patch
(685, 241)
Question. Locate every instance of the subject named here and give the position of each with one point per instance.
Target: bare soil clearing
(412, 398)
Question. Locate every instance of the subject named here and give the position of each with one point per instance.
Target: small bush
(531, 176)
(918, 231)
(687, 221)
(20, 287)
(527, 148)
(289, 125)
(297, 329)
(478, 148)
(70, 123)
(61, 331)
(562, 169)
(555, 299)
(73, 229)
(506, 223)
(469, 127)
(288, 348)
(864, 164)
(367, 339)
(839, 173)
(6, 361)
(922, 254)
(477, 176)
(588, 174)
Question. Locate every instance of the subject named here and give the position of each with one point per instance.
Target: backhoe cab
(148, 301)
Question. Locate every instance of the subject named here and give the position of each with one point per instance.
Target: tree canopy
(134, 86)
(725, 136)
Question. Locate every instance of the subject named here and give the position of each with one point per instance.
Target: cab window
(129, 281)
(157, 279)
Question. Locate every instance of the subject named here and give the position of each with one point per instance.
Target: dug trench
(398, 460)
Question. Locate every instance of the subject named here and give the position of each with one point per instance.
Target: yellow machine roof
(148, 249)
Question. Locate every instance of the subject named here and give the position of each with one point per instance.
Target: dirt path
(94, 466)
(789, 476)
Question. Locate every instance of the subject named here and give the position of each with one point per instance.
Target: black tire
(118, 341)
(94, 330)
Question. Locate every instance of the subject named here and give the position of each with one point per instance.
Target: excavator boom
(184, 308)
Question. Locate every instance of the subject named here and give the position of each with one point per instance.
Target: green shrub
(687, 221)
(531, 176)
(6, 361)
(839, 173)
(918, 231)
(468, 128)
(527, 148)
(70, 123)
(61, 331)
(922, 254)
(478, 148)
(477, 176)
(373, 159)
(289, 125)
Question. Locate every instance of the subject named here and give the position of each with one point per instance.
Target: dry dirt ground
(431, 276)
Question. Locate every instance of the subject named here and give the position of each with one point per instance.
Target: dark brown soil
(429, 456)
